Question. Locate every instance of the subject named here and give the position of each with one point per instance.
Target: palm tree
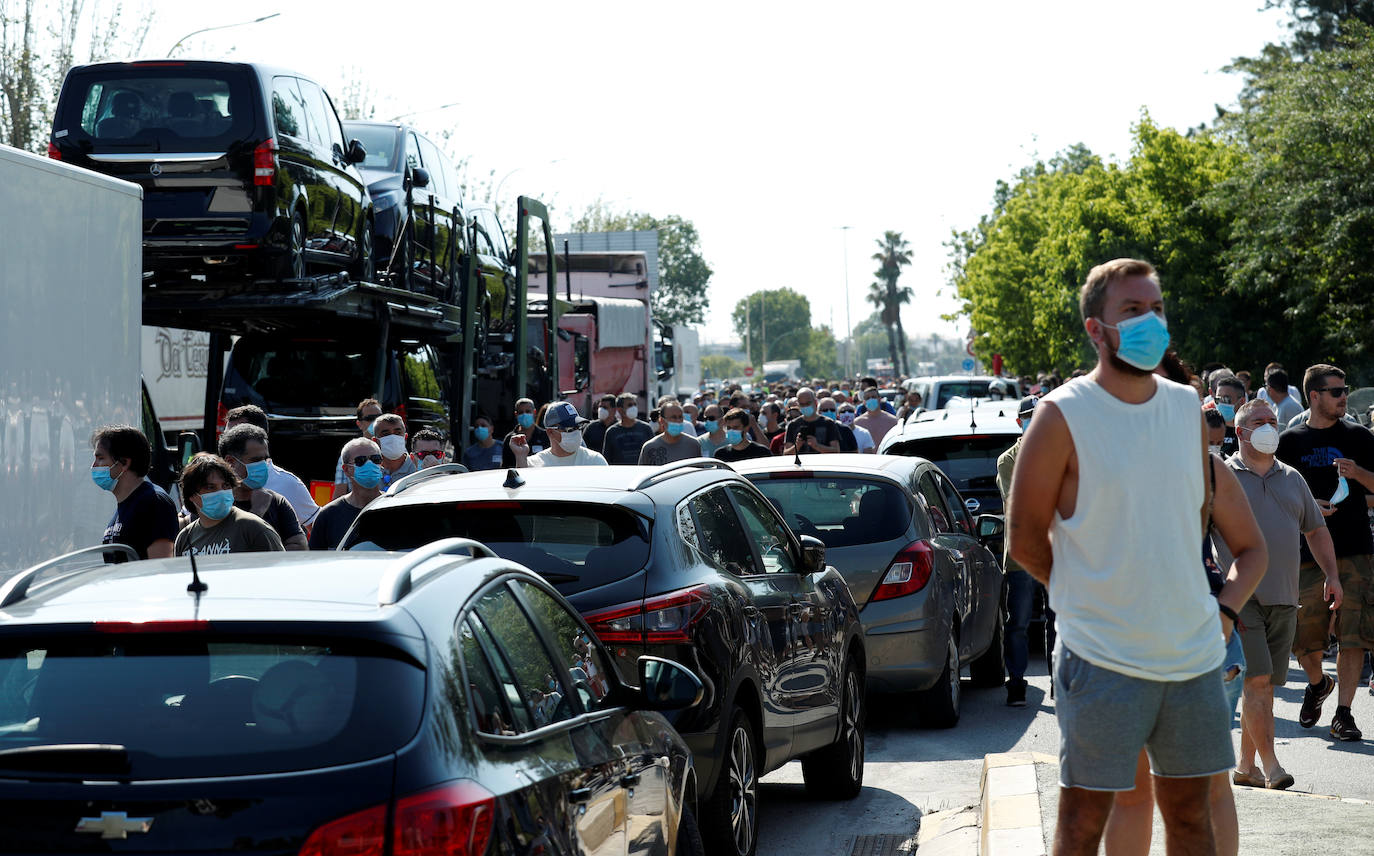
(877, 295)
(894, 253)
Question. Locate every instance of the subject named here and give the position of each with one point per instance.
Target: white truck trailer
(70, 266)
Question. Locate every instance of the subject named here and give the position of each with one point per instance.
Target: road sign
(968, 365)
(748, 371)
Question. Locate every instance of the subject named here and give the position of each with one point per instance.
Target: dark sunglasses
(428, 453)
(363, 459)
(1335, 391)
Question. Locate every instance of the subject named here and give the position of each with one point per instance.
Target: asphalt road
(913, 771)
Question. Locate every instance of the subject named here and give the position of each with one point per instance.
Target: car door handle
(629, 780)
(579, 795)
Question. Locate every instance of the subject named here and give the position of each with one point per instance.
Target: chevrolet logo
(114, 824)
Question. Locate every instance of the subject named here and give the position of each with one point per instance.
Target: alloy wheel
(853, 724)
(743, 788)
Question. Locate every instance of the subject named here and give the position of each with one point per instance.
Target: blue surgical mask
(675, 428)
(712, 425)
(102, 478)
(1227, 411)
(808, 410)
(369, 475)
(1144, 339)
(258, 471)
(828, 414)
(524, 420)
(1342, 491)
(733, 437)
(217, 505)
(871, 403)
(481, 432)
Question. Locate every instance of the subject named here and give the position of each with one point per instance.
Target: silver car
(916, 562)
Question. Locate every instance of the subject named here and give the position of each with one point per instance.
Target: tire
(938, 706)
(732, 818)
(990, 669)
(837, 771)
(364, 268)
(291, 265)
(689, 841)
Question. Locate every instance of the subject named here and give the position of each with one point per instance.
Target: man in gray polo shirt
(1283, 506)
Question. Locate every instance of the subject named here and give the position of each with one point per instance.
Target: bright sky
(769, 125)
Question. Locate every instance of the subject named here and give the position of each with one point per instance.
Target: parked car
(965, 444)
(310, 388)
(929, 590)
(245, 169)
(433, 703)
(937, 392)
(417, 199)
(688, 562)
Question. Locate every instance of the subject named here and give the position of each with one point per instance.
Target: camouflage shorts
(1354, 625)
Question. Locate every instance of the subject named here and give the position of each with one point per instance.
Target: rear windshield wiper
(67, 757)
(558, 578)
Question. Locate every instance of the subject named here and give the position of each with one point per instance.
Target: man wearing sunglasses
(362, 466)
(427, 448)
(1336, 458)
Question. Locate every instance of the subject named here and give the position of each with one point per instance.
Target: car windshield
(318, 376)
(382, 143)
(969, 462)
(185, 706)
(575, 546)
(841, 512)
(960, 389)
(143, 109)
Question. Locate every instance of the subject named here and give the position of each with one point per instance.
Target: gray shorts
(1268, 639)
(1105, 718)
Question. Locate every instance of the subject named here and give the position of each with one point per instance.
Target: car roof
(893, 466)
(986, 418)
(276, 586)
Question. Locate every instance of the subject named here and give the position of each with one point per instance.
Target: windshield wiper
(558, 578)
(67, 757)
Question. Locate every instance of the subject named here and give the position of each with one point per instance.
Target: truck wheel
(837, 771)
(938, 706)
(990, 669)
(732, 815)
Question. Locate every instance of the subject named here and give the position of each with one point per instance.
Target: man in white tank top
(1107, 507)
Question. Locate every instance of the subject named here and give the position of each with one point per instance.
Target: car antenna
(513, 480)
(197, 586)
(972, 421)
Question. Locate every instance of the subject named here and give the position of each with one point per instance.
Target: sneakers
(1016, 693)
(1312, 699)
(1343, 725)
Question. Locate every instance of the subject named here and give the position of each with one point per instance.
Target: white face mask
(632, 412)
(393, 446)
(602, 413)
(568, 441)
(1265, 439)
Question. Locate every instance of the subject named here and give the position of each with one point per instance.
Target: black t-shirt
(822, 429)
(1312, 452)
(538, 442)
(277, 512)
(1229, 444)
(146, 515)
(622, 444)
(594, 435)
(847, 441)
(332, 522)
(754, 450)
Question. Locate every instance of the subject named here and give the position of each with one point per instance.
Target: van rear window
(158, 109)
(302, 374)
(186, 706)
(575, 546)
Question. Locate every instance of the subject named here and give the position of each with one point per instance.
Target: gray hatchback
(928, 588)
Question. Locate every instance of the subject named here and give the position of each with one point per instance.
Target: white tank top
(1127, 586)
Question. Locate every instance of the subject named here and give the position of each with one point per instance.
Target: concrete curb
(1010, 804)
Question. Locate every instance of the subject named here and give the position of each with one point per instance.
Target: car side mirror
(357, 152)
(419, 177)
(812, 554)
(990, 526)
(188, 445)
(667, 685)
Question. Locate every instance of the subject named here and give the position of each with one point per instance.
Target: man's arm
(1324, 551)
(1233, 520)
(1035, 487)
(160, 549)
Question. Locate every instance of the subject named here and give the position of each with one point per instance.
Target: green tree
(775, 322)
(820, 357)
(877, 295)
(894, 253)
(1318, 25)
(721, 366)
(683, 274)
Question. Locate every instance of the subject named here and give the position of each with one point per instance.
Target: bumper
(906, 648)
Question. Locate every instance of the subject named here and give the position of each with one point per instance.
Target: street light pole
(220, 27)
(848, 327)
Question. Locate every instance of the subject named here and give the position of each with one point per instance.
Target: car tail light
(452, 820)
(908, 572)
(187, 626)
(221, 420)
(656, 620)
(265, 163)
(54, 152)
(360, 834)
(401, 411)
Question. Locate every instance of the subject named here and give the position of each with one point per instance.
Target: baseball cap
(563, 416)
(1027, 405)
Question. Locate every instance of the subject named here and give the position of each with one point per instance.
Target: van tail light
(908, 572)
(401, 412)
(265, 163)
(659, 620)
(53, 151)
(360, 834)
(221, 420)
(454, 819)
